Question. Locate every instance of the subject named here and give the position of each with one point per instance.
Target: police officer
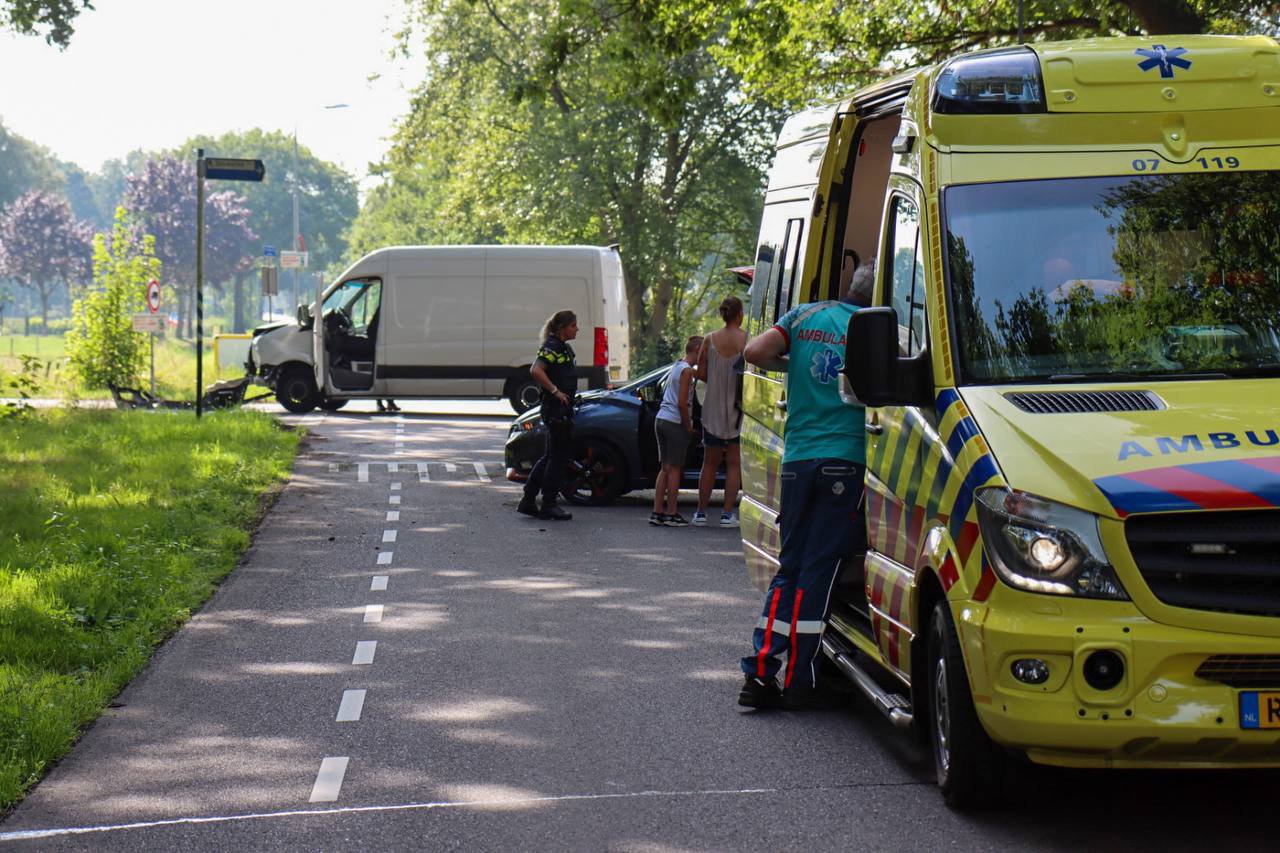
(557, 372)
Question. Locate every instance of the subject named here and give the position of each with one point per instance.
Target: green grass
(114, 526)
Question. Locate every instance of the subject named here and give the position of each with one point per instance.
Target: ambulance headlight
(1043, 546)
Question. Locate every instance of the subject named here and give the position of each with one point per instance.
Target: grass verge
(114, 526)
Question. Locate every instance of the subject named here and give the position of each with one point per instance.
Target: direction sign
(230, 169)
(270, 252)
(153, 296)
(293, 260)
(148, 323)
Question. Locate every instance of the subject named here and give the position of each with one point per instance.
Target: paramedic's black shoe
(812, 699)
(551, 512)
(392, 407)
(528, 505)
(381, 408)
(759, 693)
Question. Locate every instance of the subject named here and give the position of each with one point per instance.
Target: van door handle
(875, 429)
(781, 405)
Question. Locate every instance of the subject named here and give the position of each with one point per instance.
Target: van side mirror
(304, 316)
(878, 374)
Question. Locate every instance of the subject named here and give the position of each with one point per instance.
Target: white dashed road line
(329, 780)
(395, 487)
(350, 707)
(450, 467)
(424, 476)
(373, 613)
(388, 536)
(379, 583)
(365, 650)
(362, 472)
(480, 472)
(395, 500)
(393, 467)
(393, 515)
(384, 559)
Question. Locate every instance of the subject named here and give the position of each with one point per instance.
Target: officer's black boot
(552, 512)
(528, 505)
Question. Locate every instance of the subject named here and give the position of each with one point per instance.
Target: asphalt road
(534, 685)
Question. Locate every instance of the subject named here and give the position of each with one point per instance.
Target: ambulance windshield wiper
(1131, 377)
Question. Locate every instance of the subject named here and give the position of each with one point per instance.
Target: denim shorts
(709, 440)
(673, 442)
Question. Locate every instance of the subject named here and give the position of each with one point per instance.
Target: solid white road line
(388, 536)
(329, 779)
(31, 834)
(373, 613)
(350, 707)
(362, 472)
(393, 515)
(384, 558)
(379, 583)
(395, 500)
(364, 652)
(480, 472)
(395, 487)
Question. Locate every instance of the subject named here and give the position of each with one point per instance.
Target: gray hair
(863, 284)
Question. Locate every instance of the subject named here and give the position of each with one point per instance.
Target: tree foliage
(24, 166)
(549, 122)
(794, 51)
(43, 246)
(52, 19)
(161, 198)
(102, 346)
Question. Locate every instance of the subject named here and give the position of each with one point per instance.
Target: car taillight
(602, 347)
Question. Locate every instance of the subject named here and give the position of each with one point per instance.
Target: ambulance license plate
(1260, 710)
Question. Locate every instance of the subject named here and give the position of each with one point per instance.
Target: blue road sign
(228, 169)
(270, 252)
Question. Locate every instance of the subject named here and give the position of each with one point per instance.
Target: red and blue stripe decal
(1235, 484)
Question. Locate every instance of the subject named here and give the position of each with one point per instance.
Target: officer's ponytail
(556, 322)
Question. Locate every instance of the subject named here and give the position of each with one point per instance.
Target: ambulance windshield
(1146, 276)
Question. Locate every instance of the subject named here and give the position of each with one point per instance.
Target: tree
(102, 345)
(51, 18)
(795, 51)
(42, 246)
(550, 122)
(162, 200)
(24, 166)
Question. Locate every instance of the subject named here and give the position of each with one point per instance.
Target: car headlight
(1042, 546)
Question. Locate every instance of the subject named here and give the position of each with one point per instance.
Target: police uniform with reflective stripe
(558, 360)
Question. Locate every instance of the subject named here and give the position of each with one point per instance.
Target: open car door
(320, 358)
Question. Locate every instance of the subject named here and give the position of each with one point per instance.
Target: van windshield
(1148, 275)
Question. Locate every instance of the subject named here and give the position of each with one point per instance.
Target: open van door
(318, 355)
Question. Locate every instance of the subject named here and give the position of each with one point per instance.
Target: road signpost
(151, 323)
(214, 169)
(294, 260)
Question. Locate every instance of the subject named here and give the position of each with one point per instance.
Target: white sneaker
(728, 519)
(699, 518)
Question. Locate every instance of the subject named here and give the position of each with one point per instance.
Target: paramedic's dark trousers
(547, 475)
(821, 522)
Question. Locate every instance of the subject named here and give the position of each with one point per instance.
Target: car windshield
(345, 294)
(1148, 275)
(651, 376)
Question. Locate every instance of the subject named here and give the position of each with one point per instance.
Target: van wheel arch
(290, 393)
(521, 390)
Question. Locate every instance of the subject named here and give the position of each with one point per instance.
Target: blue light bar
(999, 82)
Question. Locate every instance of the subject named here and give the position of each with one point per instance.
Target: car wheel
(596, 476)
(969, 765)
(296, 389)
(524, 395)
(332, 405)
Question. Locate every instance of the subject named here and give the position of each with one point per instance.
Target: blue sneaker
(729, 519)
(699, 517)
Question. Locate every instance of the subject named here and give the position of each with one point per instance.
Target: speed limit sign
(153, 296)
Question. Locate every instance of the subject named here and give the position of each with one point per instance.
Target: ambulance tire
(969, 765)
(296, 389)
(332, 405)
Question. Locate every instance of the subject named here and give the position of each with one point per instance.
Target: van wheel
(523, 394)
(970, 766)
(296, 389)
(332, 405)
(596, 476)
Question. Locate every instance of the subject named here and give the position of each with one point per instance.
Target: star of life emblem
(826, 365)
(1164, 58)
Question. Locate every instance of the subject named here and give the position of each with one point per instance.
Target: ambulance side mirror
(878, 374)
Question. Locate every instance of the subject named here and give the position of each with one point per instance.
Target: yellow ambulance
(1071, 374)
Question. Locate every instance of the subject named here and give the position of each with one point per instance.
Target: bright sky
(151, 73)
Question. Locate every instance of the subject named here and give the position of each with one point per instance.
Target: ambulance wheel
(523, 394)
(596, 476)
(969, 765)
(332, 405)
(296, 389)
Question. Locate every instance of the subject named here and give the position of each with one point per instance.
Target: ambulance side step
(893, 705)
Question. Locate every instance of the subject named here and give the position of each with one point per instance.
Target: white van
(446, 321)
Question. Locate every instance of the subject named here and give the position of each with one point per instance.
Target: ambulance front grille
(1223, 561)
(1084, 402)
(1242, 670)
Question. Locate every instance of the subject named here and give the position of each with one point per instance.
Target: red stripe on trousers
(768, 635)
(795, 618)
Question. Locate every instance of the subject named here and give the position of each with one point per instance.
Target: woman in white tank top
(720, 367)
